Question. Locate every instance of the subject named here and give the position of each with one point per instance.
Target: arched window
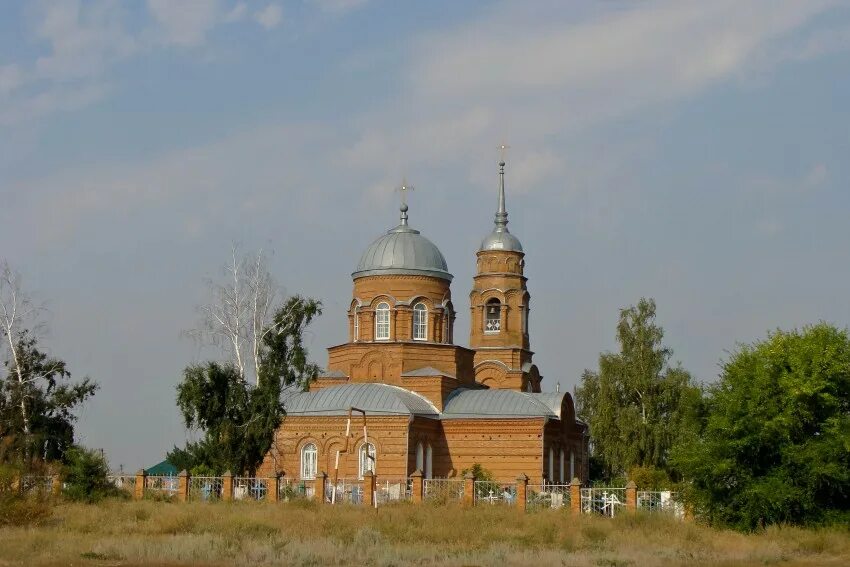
(309, 461)
(420, 457)
(420, 322)
(367, 460)
(356, 324)
(572, 466)
(493, 316)
(429, 455)
(525, 319)
(562, 472)
(382, 322)
(551, 465)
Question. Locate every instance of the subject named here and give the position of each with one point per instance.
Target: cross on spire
(503, 150)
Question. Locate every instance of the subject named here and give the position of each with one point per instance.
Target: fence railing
(605, 501)
(165, 486)
(250, 488)
(547, 496)
(345, 491)
(442, 490)
(125, 482)
(205, 488)
(36, 484)
(290, 489)
(489, 492)
(393, 490)
(660, 501)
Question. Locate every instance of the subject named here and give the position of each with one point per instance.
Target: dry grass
(156, 533)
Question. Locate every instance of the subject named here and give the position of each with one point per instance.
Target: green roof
(162, 469)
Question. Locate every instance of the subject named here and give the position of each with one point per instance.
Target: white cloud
(237, 13)
(10, 78)
(270, 16)
(186, 22)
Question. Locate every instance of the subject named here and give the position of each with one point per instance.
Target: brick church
(429, 404)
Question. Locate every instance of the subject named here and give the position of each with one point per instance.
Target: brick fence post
(469, 489)
(139, 488)
(320, 487)
(522, 492)
(416, 494)
(631, 497)
(183, 486)
(227, 486)
(56, 485)
(575, 497)
(369, 486)
(273, 488)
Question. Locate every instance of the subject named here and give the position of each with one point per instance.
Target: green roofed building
(164, 468)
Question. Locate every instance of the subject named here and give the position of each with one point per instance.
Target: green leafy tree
(38, 401)
(238, 418)
(636, 404)
(86, 473)
(775, 447)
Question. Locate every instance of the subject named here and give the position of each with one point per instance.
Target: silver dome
(501, 240)
(402, 250)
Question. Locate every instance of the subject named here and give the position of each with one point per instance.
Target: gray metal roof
(463, 403)
(402, 250)
(553, 400)
(373, 398)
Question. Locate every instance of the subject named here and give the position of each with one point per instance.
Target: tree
(775, 443)
(636, 404)
(37, 397)
(238, 418)
(86, 472)
(236, 319)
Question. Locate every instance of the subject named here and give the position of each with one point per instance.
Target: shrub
(85, 476)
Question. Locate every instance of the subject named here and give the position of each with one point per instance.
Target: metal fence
(164, 486)
(249, 488)
(489, 492)
(36, 484)
(345, 491)
(205, 488)
(125, 482)
(604, 501)
(393, 490)
(291, 489)
(660, 501)
(443, 490)
(543, 496)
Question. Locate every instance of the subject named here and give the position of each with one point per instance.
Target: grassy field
(155, 533)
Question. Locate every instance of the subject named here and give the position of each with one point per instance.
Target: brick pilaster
(370, 483)
(320, 487)
(575, 497)
(469, 489)
(227, 486)
(139, 488)
(522, 492)
(416, 490)
(183, 486)
(631, 497)
(273, 488)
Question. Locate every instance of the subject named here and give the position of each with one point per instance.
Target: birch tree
(239, 316)
(636, 404)
(37, 399)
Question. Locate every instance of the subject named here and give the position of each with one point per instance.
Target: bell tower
(499, 303)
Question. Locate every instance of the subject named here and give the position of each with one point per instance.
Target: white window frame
(497, 327)
(382, 321)
(420, 457)
(562, 469)
(366, 464)
(309, 461)
(420, 322)
(356, 324)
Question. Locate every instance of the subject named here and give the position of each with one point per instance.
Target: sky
(692, 152)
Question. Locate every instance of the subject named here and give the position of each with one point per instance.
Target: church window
(429, 455)
(420, 322)
(420, 457)
(493, 316)
(382, 322)
(551, 465)
(367, 459)
(572, 466)
(356, 325)
(525, 319)
(561, 469)
(309, 461)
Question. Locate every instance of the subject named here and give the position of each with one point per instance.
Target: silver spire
(501, 212)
